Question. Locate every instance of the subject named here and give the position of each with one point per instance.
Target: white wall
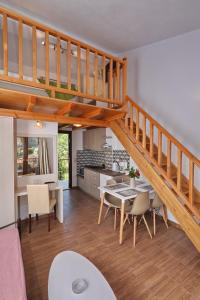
(7, 203)
(112, 140)
(165, 79)
(77, 144)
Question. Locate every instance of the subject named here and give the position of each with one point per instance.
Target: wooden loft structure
(64, 80)
(30, 107)
(79, 72)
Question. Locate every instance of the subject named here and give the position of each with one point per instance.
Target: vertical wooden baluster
(151, 139)
(169, 153)
(111, 80)
(159, 148)
(117, 96)
(34, 53)
(137, 124)
(58, 61)
(124, 80)
(131, 118)
(47, 57)
(78, 68)
(95, 74)
(87, 71)
(5, 44)
(69, 65)
(20, 49)
(179, 170)
(191, 182)
(127, 116)
(144, 132)
(104, 76)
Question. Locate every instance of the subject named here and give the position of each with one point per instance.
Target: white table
(69, 266)
(22, 191)
(123, 187)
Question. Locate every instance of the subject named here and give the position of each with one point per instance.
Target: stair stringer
(169, 198)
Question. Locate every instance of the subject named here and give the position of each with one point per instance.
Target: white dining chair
(39, 202)
(112, 203)
(140, 206)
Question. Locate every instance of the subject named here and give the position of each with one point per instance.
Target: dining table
(124, 192)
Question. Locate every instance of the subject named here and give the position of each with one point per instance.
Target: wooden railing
(45, 55)
(174, 162)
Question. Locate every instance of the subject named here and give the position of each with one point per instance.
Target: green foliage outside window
(63, 157)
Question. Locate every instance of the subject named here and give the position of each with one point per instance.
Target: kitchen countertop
(106, 171)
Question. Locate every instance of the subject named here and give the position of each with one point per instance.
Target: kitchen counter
(95, 176)
(105, 171)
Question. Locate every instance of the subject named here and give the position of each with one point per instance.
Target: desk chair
(39, 202)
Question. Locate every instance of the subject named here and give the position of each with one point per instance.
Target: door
(64, 159)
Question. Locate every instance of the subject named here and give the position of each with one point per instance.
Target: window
(27, 155)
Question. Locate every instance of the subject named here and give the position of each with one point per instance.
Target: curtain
(43, 157)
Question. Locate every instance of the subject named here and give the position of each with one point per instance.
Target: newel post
(124, 82)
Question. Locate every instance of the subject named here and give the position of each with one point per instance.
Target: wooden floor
(167, 267)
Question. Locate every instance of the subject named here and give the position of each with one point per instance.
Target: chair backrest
(110, 181)
(156, 203)
(38, 199)
(141, 204)
(109, 198)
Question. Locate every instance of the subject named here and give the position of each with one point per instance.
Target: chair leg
(154, 221)
(164, 215)
(134, 230)
(55, 212)
(115, 219)
(37, 217)
(30, 223)
(49, 215)
(106, 212)
(140, 221)
(145, 222)
(126, 218)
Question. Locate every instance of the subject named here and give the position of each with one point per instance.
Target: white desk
(22, 191)
(116, 193)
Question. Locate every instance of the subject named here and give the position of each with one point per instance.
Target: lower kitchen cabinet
(92, 180)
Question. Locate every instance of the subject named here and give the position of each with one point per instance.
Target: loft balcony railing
(37, 56)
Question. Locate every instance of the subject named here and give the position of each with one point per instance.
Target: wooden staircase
(166, 163)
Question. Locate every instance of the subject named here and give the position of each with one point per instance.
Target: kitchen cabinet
(92, 180)
(93, 139)
(90, 183)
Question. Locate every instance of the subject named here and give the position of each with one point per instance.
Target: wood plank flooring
(167, 267)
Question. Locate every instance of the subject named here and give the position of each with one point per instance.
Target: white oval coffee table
(66, 268)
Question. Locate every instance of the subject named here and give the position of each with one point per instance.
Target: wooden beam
(24, 115)
(116, 116)
(31, 103)
(93, 113)
(65, 110)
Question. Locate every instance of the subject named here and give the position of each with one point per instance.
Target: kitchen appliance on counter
(115, 166)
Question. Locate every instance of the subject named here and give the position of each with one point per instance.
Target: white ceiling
(115, 25)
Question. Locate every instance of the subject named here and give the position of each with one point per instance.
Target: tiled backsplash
(97, 158)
